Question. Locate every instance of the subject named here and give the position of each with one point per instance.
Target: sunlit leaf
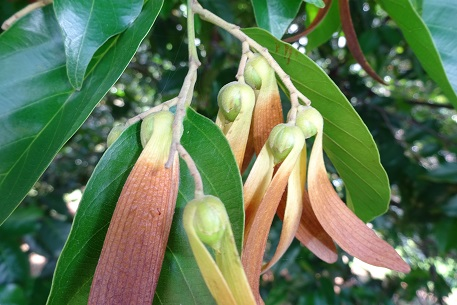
(439, 16)
(87, 25)
(275, 16)
(419, 38)
(38, 120)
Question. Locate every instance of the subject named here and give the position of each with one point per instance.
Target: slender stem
(233, 29)
(163, 106)
(185, 95)
(244, 58)
(29, 8)
(193, 170)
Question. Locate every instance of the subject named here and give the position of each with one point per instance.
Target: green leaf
(12, 294)
(36, 122)
(439, 15)
(275, 16)
(87, 25)
(14, 263)
(324, 31)
(180, 281)
(79, 257)
(347, 141)
(211, 152)
(317, 3)
(420, 40)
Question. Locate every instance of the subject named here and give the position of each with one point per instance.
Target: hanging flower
(316, 216)
(345, 228)
(131, 259)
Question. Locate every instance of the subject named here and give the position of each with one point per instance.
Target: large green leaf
(347, 141)
(419, 38)
(180, 281)
(40, 108)
(87, 25)
(275, 16)
(439, 15)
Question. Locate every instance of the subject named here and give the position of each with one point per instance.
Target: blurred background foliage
(411, 121)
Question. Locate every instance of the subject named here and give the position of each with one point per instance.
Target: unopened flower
(236, 103)
(263, 192)
(206, 221)
(129, 266)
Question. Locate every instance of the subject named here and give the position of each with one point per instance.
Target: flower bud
(209, 221)
(151, 121)
(114, 134)
(255, 68)
(231, 97)
(308, 119)
(281, 141)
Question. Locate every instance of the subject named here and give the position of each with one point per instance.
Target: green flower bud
(149, 122)
(231, 97)
(281, 141)
(307, 120)
(256, 67)
(210, 219)
(114, 134)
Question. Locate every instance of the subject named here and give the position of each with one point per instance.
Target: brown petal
(311, 234)
(256, 185)
(293, 209)
(134, 247)
(349, 232)
(257, 237)
(267, 111)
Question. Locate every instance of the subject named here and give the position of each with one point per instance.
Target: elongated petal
(349, 232)
(229, 262)
(267, 111)
(293, 209)
(256, 185)
(257, 238)
(134, 247)
(249, 152)
(310, 232)
(213, 277)
(238, 133)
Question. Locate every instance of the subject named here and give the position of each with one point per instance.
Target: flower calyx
(154, 121)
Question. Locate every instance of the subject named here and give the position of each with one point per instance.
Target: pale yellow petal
(255, 240)
(293, 209)
(256, 185)
(213, 277)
